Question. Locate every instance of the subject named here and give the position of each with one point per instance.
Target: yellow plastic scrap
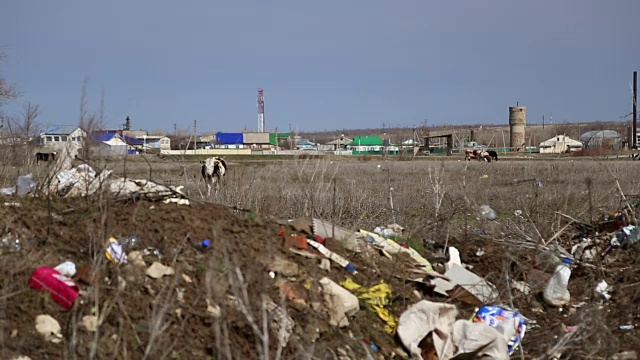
(377, 296)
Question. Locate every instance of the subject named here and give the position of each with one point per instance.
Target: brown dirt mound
(146, 318)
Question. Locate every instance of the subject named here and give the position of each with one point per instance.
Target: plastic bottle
(556, 292)
(8, 246)
(129, 243)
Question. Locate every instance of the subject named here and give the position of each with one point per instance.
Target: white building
(560, 144)
(62, 134)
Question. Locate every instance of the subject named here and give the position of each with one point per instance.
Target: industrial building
(253, 140)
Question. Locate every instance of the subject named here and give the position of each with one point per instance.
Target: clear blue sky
(323, 64)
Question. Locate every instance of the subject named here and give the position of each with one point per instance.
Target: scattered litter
(325, 264)
(67, 269)
(508, 322)
(603, 289)
(49, 327)
(333, 256)
(136, 258)
(10, 245)
(187, 279)
(115, 253)
(25, 184)
(454, 258)
(157, 270)
(389, 230)
(517, 213)
(482, 291)
(556, 292)
(180, 295)
(521, 286)
(8, 191)
(625, 355)
(130, 243)
(328, 230)
(304, 253)
(284, 267)
(626, 237)
(282, 323)
(152, 251)
(90, 322)
(626, 327)
(213, 309)
(480, 252)
(487, 213)
(339, 301)
(391, 247)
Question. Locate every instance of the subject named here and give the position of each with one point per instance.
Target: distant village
(445, 141)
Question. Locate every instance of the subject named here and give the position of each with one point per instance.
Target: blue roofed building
(110, 143)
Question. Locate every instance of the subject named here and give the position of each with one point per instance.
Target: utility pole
(635, 110)
(195, 135)
(542, 121)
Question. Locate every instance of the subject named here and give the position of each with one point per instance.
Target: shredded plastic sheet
(378, 297)
(393, 248)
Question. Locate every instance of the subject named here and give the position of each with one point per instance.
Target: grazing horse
(213, 169)
(493, 154)
(477, 154)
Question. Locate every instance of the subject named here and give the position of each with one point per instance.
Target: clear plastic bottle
(556, 292)
(8, 246)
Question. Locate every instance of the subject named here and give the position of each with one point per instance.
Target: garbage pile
(200, 282)
(83, 180)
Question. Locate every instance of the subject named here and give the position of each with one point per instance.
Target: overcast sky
(323, 64)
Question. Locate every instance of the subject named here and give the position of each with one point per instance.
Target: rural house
(61, 134)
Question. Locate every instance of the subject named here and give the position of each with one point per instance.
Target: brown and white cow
(213, 169)
(476, 154)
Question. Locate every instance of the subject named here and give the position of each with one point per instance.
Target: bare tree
(8, 91)
(89, 121)
(29, 128)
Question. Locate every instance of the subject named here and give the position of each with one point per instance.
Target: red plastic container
(61, 289)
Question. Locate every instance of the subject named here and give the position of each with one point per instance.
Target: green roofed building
(366, 145)
(275, 138)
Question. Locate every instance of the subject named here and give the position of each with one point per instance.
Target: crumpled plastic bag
(378, 297)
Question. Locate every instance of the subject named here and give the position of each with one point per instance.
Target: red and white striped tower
(260, 110)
